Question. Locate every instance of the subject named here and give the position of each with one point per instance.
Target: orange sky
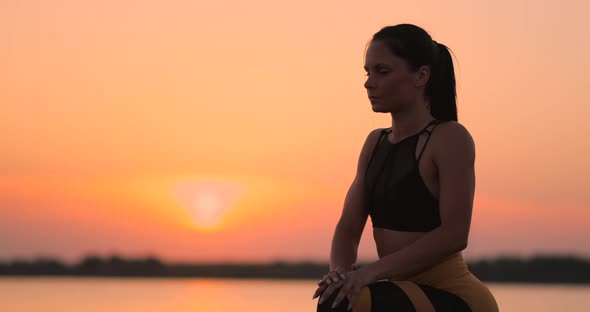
(230, 130)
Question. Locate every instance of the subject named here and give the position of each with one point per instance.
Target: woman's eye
(380, 72)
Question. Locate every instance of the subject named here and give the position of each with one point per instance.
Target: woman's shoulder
(453, 137)
(374, 135)
(453, 130)
(371, 142)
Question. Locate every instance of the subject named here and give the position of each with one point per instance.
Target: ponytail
(441, 87)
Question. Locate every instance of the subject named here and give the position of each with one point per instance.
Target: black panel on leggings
(387, 297)
(444, 301)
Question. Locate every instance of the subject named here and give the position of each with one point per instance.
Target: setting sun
(208, 201)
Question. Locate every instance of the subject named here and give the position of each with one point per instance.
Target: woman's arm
(454, 156)
(350, 227)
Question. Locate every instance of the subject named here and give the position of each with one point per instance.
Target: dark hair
(415, 45)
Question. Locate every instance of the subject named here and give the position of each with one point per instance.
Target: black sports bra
(395, 194)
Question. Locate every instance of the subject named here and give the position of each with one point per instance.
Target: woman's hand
(333, 277)
(327, 286)
(351, 286)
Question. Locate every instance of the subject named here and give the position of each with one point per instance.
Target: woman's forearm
(344, 249)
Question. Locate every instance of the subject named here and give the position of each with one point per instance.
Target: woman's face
(391, 84)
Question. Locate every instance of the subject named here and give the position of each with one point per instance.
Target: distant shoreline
(297, 279)
(555, 269)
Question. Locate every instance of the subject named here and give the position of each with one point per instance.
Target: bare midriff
(390, 241)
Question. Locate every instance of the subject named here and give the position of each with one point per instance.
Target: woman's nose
(369, 83)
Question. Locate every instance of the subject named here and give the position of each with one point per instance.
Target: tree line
(539, 269)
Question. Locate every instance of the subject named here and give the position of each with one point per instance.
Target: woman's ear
(422, 76)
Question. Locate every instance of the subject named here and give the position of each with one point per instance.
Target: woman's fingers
(332, 277)
(352, 299)
(335, 276)
(323, 280)
(330, 283)
(320, 290)
(327, 279)
(328, 292)
(348, 291)
(341, 294)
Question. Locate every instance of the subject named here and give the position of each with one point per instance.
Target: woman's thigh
(386, 296)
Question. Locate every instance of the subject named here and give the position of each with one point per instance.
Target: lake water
(224, 295)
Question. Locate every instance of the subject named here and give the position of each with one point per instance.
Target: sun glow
(208, 201)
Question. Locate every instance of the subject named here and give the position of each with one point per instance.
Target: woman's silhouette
(416, 181)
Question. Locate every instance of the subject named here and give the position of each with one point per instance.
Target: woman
(416, 180)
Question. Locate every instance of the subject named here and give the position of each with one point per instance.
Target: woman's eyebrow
(378, 65)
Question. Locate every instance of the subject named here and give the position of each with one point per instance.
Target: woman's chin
(379, 108)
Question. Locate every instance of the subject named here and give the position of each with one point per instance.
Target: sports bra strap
(436, 123)
(432, 122)
(386, 131)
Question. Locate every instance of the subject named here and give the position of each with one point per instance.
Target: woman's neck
(408, 123)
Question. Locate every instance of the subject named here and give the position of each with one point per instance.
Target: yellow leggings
(446, 286)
